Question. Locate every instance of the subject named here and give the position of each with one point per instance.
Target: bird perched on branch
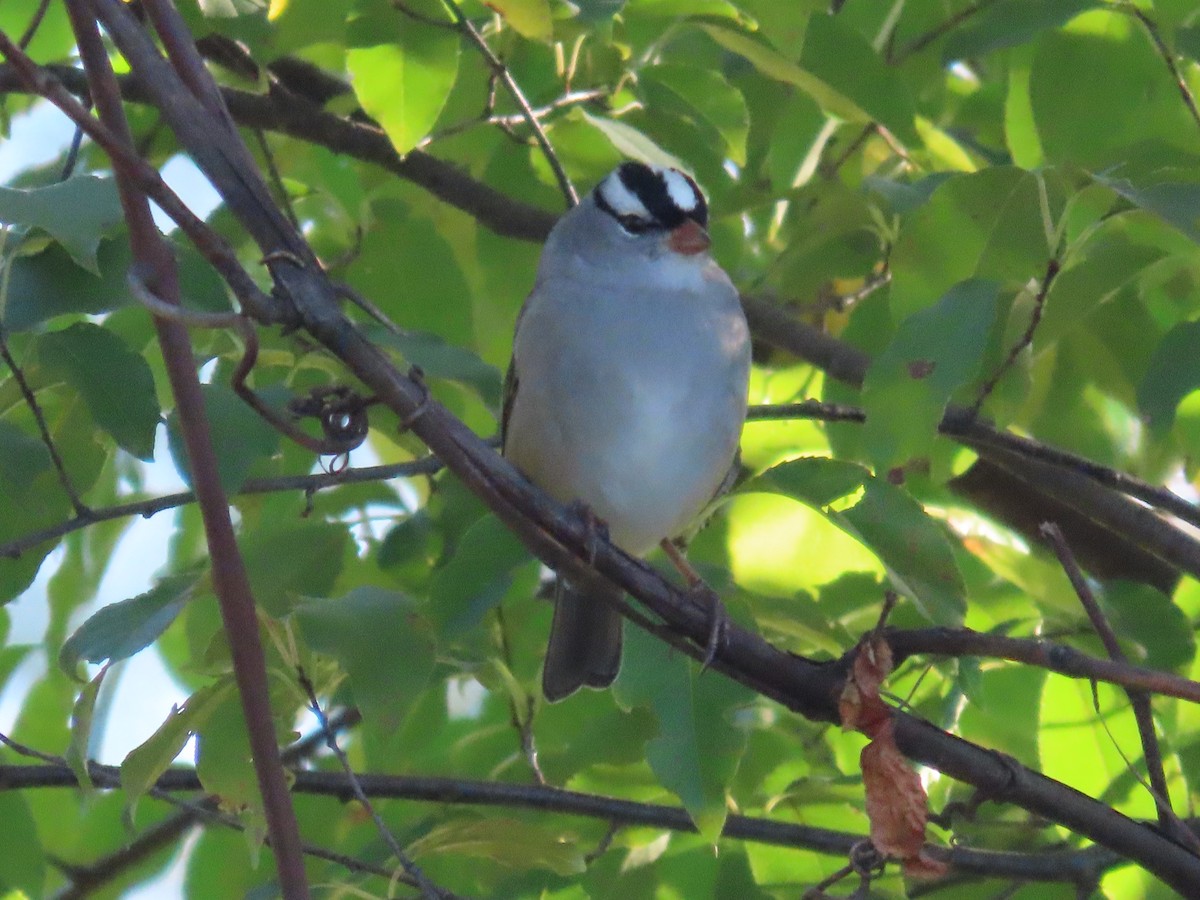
(627, 389)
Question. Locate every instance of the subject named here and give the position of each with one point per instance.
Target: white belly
(643, 437)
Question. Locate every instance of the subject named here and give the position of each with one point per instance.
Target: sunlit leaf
(77, 755)
(530, 18)
(510, 842)
(935, 351)
(402, 70)
(911, 546)
(630, 142)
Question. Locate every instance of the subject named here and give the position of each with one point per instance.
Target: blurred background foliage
(919, 178)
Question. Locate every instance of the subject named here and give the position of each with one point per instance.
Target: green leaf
(22, 458)
(142, 766)
(1113, 262)
(224, 764)
(680, 8)
(698, 747)
(1103, 61)
(985, 224)
(240, 437)
(296, 559)
(1173, 373)
(381, 641)
(114, 381)
(1009, 23)
(1148, 618)
(49, 284)
(121, 629)
(1171, 194)
(76, 213)
(439, 359)
(30, 497)
(773, 64)
(841, 58)
(510, 842)
(592, 12)
(23, 862)
(837, 68)
(704, 98)
(476, 577)
(631, 143)
(530, 18)
(402, 70)
(884, 518)
(81, 730)
(933, 353)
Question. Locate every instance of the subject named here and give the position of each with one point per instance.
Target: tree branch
(501, 71)
(1072, 866)
(230, 582)
(1139, 700)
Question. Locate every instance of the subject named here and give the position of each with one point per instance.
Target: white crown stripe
(623, 201)
(679, 189)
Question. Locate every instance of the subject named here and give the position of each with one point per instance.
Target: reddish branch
(230, 582)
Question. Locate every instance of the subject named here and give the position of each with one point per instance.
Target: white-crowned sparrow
(627, 389)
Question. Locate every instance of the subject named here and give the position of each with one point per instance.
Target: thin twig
(428, 889)
(1168, 58)
(1139, 700)
(87, 878)
(281, 194)
(1035, 319)
(920, 43)
(501, 70)
(81, 509)
(35, 22)
(511, 120)
(426, 465)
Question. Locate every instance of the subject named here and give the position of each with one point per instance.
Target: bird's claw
(718, 621)
(595, 529)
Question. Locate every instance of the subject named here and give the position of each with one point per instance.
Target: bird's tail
(585, 639)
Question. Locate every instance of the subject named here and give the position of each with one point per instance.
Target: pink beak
(689, 239)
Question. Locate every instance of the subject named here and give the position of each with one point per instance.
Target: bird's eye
(634, 224)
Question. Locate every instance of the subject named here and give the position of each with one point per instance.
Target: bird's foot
(595, 529)
(700, 593)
